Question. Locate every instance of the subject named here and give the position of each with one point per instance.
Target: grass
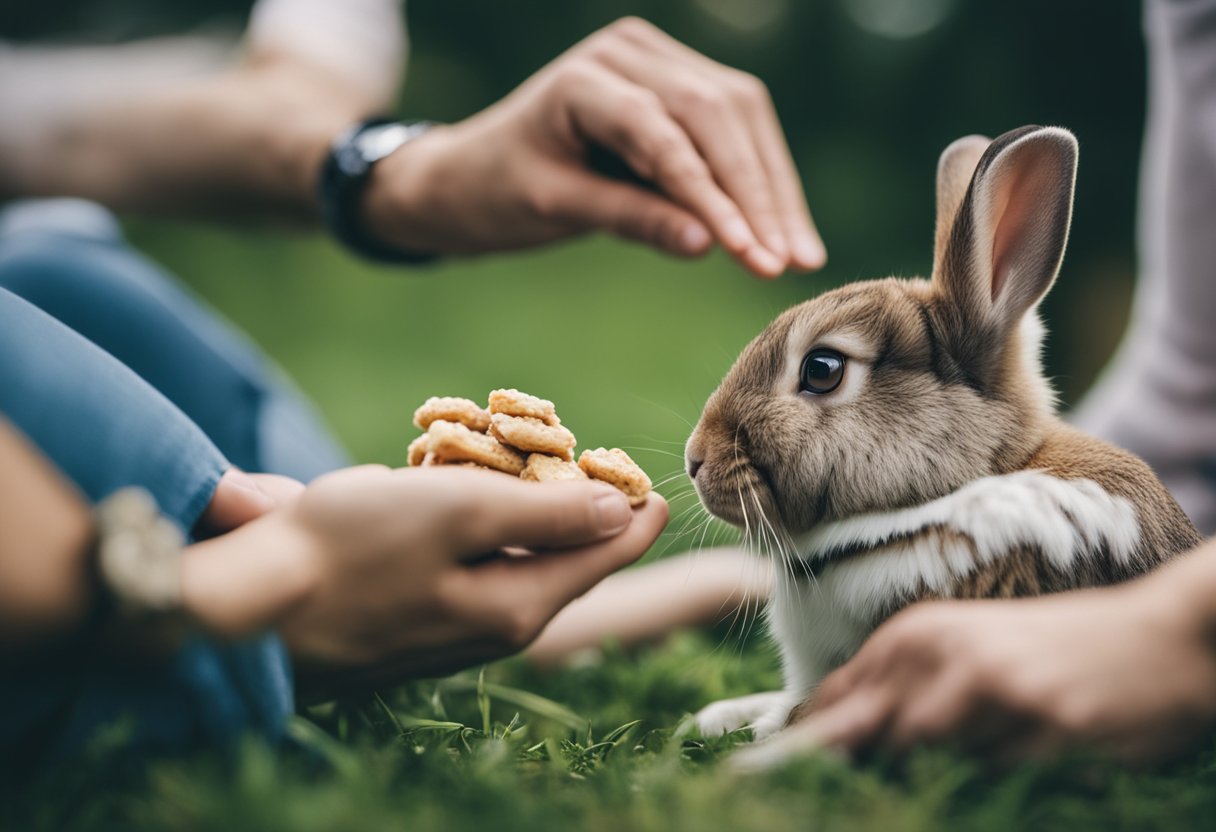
(628, 344)
(605, 746)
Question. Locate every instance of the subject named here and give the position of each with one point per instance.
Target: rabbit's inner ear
(1031, 208)
(954, 170)
(1005, 247)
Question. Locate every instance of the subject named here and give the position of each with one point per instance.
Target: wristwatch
(138, 557)
(344, 177)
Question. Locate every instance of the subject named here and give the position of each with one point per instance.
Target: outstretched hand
(1125, 671)
(377, 574)
(704, 137)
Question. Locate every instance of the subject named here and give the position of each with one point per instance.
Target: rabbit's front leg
(728, 715)
(775, 717)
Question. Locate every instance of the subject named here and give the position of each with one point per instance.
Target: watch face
(375, 143)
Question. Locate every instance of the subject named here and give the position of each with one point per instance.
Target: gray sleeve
(1158, 396)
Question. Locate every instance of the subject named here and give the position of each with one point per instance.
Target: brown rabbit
(896, 440)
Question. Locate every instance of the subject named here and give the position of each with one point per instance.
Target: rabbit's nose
(694, 465)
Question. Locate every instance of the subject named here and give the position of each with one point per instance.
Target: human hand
(240, 497)
(705, 136)
(377, 574)
(1123, 671)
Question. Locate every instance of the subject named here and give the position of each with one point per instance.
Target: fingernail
(809, 252)
(612, 513)
(694, 239)
(777, 245)
(736, 234)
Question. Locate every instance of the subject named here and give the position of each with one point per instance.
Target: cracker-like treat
(616, 468)
(545, 468)
(452, 409)
(453, 442)
(476, 467)
(418, 450)
(533, 435)
(514, 403)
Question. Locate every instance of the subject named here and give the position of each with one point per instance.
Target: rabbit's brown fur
(938, 468)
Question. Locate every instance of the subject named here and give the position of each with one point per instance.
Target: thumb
(237, 499)
(498, 511)
(632, 212)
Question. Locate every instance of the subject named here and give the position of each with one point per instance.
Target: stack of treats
(521, 435)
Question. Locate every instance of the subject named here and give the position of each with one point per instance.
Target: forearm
(44, 580)
(249, 138)
(1186, 588)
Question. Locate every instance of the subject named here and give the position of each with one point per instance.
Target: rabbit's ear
(1006, 243)
(954, 171)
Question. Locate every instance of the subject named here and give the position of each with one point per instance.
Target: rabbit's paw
(728, 715)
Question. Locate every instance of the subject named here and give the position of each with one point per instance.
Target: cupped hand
(704, 138)
(1119, 671)
(377, 574)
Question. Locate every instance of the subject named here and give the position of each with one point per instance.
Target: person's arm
(638, 606)
(1128, 671)
(44, 536)
(705, 139)
(368, 573)
(377, 575)
(249, 137)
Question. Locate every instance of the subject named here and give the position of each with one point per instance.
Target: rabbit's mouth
(739, 492)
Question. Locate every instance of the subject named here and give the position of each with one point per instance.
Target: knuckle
(599, 47)
(540, 202)
(700, 100)
(576, 520)
(748, 87)
(572, 74)
(631, 27)
(676, 162)
(645, 101)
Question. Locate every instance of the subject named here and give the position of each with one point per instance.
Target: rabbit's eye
(822, 370)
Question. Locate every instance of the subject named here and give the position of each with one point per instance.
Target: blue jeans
(121, 378)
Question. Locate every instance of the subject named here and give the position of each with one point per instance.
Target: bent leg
(106, 429)
(67, 258)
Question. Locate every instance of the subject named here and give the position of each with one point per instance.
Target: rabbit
(896, 440)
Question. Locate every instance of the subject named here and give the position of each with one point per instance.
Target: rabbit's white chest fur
(820, 619)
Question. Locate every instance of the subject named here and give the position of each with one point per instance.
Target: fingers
(807, 251)
(730, 118)
(850, 726)
(238, 498)
(283, 490)
(560, 577)
(706, 111)
(806, 246)
(633, 122)
(516, 597)
(232, 595)
(586, 200)
(494, 511)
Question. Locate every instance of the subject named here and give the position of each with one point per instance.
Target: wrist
(398, 202)
(1183, 594)
(347, 173)
(246, 581)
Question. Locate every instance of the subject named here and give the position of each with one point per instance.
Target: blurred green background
(628, 342)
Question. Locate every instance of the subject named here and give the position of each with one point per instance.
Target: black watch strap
(344, 178)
